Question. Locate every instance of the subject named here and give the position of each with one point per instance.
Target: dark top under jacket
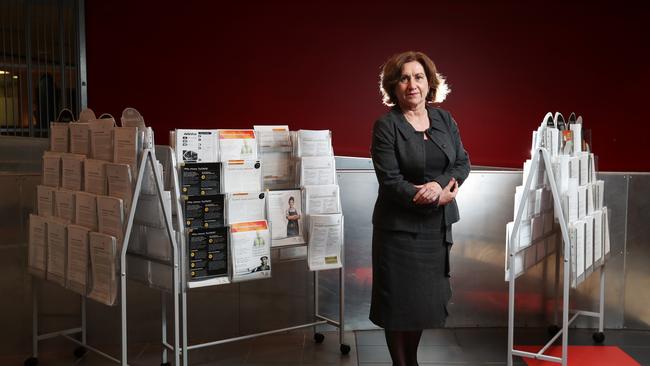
(399, 161)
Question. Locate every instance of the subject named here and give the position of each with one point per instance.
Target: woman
(420, 162)
(292, 216)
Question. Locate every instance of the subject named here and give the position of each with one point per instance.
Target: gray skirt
(410, 286)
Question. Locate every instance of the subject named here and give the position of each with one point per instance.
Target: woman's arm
(386, 166)
(461, 167)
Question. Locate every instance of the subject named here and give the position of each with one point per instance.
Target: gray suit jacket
(399, 164)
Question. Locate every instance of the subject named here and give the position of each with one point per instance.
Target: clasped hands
(432, 192)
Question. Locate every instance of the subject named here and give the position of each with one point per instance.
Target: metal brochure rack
(563, 331)
(185, 287)
(147, 157)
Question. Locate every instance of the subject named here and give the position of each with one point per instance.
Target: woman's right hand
(427, 193)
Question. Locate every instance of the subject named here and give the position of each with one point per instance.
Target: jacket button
(444, 146)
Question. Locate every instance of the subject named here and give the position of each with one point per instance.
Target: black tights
(403, 346)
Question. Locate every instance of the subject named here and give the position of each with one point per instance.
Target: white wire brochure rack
(187, 285)
(147, 157)
(568, 257)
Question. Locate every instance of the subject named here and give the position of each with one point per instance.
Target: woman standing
(420, 162)
(292, 215)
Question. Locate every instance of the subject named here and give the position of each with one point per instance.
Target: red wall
(203, 64)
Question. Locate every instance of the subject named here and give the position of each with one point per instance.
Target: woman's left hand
(449, 193)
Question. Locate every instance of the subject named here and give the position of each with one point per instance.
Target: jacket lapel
(406, 130)
(439, 134)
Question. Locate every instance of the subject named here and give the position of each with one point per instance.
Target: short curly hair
(391, 72)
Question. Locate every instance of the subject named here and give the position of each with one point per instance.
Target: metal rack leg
(565, 313)
(176, 280)
(511, 314)
(316, 307)
(601, 310)
(163, 308)
(34, 319)
(123, 357)
(83, 321)
(341, 304)
(184, 351)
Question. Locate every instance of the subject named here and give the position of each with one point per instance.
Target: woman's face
(290, 203)
(413, 86)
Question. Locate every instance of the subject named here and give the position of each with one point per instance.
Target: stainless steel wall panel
(358, 193)
(586, 296)
(637, 254)
(486, 204)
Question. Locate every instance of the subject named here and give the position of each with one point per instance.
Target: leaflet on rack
(275, 138)
(325, 242)
(322, 199)
(52, 169)
(598, 237)
(245, 207)
(314, 143)
(56, 250)
(77, 280)
(208, 250)
(250, 249)
(580, 227)
(101, 139)
(95, 176)
(317, 170)
(277, 170)
(285, 214)
(86, 210)
(59, 136)
(204, 212)
(200, 179)
(110, 215)
(72, 171)
(45, 200)
(120, 183)
(241, 176)
(103, 264)
(589, 243)
(37, 251)
(196, 146)
(65, 205)
(237, 145)
(80, 138)
(125, 147)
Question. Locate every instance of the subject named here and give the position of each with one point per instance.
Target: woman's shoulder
(388, 119)
(445, 114)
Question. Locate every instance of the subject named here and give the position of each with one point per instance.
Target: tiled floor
(464, 346)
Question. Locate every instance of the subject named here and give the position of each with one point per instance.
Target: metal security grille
(39, 63)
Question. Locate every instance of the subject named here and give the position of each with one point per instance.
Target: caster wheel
(345, 349)
(165, 364)
(553, 329)
(79, 352)
(599, 337)
(32, 361)
(319, 337)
